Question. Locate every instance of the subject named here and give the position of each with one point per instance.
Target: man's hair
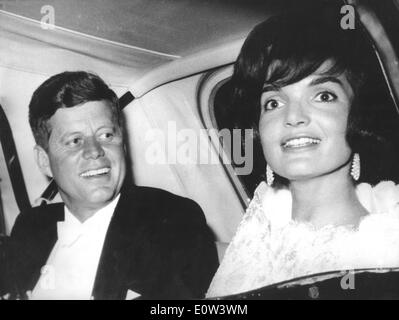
(66, 90)
(289, 47)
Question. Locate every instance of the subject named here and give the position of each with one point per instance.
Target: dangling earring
(355, 169)
(269, 175)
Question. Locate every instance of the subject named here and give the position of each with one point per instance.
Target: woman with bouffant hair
(323, 202)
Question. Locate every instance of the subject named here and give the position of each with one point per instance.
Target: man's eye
(325, 96)
(107, 136)
(74, 142)
(272, 104)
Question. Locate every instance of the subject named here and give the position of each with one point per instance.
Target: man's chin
(100, 197)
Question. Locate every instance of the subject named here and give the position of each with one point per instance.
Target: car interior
(170, 63)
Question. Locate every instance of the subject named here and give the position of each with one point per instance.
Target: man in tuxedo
(108, 239)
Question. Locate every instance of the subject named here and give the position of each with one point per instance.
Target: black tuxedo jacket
(157, 244)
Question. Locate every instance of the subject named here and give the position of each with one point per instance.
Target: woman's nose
(93, 149)
(296, 115)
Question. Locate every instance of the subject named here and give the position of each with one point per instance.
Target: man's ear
(42, 160)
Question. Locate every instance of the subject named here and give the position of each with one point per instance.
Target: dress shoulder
(382, 198)
(270, 247)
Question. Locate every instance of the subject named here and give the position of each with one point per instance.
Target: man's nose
(92, 149)
(296, 115)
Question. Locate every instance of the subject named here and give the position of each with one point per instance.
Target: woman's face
(303, 125)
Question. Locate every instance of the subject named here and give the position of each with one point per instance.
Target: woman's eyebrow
(324, 79)
(270, 87)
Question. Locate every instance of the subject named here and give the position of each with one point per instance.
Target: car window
(221, 107)
(215, 93)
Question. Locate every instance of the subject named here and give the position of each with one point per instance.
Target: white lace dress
(270, 247)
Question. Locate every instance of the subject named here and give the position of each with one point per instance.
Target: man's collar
(110, 207)
(71, 228)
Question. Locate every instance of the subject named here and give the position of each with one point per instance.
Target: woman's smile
(299, 143)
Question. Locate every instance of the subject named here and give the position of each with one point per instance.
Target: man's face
(85, 155)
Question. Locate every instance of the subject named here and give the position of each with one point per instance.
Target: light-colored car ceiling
(175, 27)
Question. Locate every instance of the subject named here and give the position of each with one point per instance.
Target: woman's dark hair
(66, 90)
(289, 47)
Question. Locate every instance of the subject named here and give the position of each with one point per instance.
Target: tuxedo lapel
(119, 250)
(43, 237)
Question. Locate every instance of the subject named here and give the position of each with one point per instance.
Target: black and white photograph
(211, 151)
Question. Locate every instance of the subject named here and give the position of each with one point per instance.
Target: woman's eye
(325, 97)
(272, 104)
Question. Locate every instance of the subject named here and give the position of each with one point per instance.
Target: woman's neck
(327, 200)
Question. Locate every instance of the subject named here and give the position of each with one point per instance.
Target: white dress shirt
(72, 265)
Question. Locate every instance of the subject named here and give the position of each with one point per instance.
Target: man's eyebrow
(324, 79)
(107, 126)
(68, 134)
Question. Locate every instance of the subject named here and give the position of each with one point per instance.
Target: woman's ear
(42, 160)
